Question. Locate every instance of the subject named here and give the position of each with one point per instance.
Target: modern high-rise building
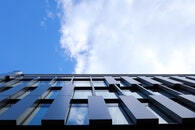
(95, 100)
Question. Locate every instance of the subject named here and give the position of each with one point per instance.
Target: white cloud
(129, 36)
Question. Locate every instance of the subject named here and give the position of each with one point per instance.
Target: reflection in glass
(82, 83)
(99, 84)
(117, 114)
(37, 115)
(82, 94)
(122, 84)
(60, 83)
(106, 94)
(135, 94)
(78, 115)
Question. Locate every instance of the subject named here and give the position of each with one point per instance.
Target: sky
(97, 36)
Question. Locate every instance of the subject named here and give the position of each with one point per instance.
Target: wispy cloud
(129, 36)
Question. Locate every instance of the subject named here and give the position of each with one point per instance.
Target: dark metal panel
(173, 109)
(130, 81)
(15, 114)
(118, 90)
(3, 101)
(98, 111)
(188, 88)
(40, 89)
(169, 90)
(188, 100)
(9, 83)
(58, 111)
(137, 111)
(191, 77)
(144, 90)
(148, 81)
(18, 111)
(185, 80)
(61, 104)
(67, 90)
(12, 91)
(110, 81)
(167, 81)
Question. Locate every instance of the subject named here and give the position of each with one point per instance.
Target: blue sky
(29, 37)
(97, 36)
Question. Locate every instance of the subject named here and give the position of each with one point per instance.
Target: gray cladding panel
(98, 111)
(58, 111)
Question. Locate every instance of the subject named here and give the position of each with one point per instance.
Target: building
(95, 100)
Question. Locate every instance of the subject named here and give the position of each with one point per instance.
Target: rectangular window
(99, 84)
(82, 94)
(106, 94)
(59, 83)
(122, 84)
(118, 115)
(82, 83)
(135, 94)
(78, 115)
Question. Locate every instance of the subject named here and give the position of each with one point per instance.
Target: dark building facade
(95, 100)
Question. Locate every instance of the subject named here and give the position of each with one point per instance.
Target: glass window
(82, 94)
(78, 115)
(99, 84)
(105, 94)
(135, 94)
(117, 114)
(59, 83)
(82, 83)
(37, 115)
(122, 84)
